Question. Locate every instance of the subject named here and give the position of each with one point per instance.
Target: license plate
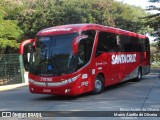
(47, 90)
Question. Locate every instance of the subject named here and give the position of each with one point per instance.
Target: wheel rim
(98, 85)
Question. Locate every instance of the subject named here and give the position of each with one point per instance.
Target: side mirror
(23, 44)
(76, 43)
(30, 50)
(21, 51)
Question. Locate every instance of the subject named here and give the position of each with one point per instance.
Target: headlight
(30, 80)
(70, 80)
(37, 83)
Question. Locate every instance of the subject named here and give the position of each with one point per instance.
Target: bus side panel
(126, 65)
(103, 65)
(118, 66)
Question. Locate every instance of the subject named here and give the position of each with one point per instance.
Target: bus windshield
(53, 56)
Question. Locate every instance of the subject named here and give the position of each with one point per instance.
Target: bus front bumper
(71, 89)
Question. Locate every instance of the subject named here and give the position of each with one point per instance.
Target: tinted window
(131, 44)
(110, 42)
(107, 42)
(85, 48)
(89, 43)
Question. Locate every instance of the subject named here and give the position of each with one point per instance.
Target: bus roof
(77, 28)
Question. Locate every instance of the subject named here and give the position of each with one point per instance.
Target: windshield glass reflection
(53, 56)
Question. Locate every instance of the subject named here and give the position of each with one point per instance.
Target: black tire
(99, 85)
(139, 75)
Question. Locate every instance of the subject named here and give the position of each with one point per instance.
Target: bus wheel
(99, 85)
(139, 75)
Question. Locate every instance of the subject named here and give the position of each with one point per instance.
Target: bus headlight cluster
(30, 80)
(71, 79)
(37, 83)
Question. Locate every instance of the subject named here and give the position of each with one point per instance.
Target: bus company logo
(56, 30)
(46, 79)
(123, 58)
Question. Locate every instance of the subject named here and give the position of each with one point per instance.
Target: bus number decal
(84, 83)
(123, 58)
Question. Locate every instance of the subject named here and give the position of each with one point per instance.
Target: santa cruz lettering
(123, 58)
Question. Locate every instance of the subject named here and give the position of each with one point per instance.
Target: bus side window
(113, 43)
(89, 43)
(108, 42)
(102, 45)
(85, 48)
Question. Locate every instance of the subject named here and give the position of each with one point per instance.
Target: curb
(9, 87)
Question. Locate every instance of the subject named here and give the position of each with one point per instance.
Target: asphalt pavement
(144, 94)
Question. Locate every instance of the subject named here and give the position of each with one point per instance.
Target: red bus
(79, 58)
